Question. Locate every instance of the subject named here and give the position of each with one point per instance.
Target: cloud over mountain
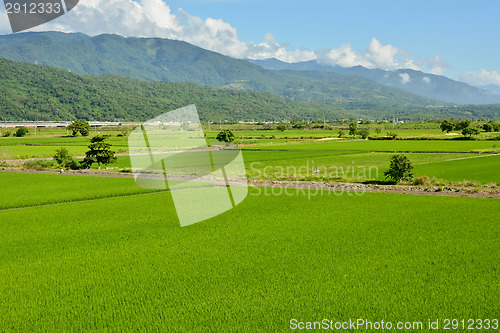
(482, 78)
(155, 18)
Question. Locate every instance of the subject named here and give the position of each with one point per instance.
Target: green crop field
(23, 189)
(295, 158)
(125, 264)
(482, 169)
(392, 145)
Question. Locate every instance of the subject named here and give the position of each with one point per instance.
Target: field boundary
(458, 159)
(433, 152)
(455, 191)
(82, 200)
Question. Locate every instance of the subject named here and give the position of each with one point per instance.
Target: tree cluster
(466, 128)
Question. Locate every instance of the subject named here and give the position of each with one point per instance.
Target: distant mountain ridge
(39, 92)
(432, 86)
(156, 59)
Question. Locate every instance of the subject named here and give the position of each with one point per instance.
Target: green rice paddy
(124, 264)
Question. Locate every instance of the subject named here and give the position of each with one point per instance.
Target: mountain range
(355, 92)
(429, 85)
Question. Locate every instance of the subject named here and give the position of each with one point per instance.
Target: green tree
(447, 126)
(470, 131)
(21, 131)
(488, 127)
(79, 126)
(341, 134)
(281, 127)
(226, 136)
(462, 125)
(353, 129)
(364, 133)
(400, 169)
(62, 155)
(378, 130)
(392, 134)
(99, 152)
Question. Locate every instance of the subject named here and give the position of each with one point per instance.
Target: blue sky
(459, 39)
(466, 34)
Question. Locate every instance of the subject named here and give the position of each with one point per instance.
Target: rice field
(124, 264)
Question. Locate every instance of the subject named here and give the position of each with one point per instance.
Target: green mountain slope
(34, 92)
(156, 59)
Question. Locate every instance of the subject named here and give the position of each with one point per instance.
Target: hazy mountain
(156, 59)
(429, 85)
(492, 88)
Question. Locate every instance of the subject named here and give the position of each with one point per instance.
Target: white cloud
(382, 56)
(426, 79)
(437, 65)
(376, 55)
(344, 57)
(405, 78)
(154, 18)
(482, 78)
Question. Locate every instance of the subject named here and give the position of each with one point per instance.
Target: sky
(456, 38)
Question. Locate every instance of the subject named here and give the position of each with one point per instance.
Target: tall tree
(353, 128)
(400, 168)
(99, 152)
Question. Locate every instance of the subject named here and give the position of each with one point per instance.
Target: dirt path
(358, 188)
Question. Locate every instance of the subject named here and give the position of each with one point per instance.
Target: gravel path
(358, 188)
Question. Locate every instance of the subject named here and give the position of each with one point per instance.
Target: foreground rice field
(123, 263)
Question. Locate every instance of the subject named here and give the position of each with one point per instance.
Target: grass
(22, 189)
(392, 145)
(124, 264)
(348, 165)
(337, 160)
(484, 169)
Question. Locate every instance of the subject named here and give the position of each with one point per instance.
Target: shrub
(62, 155)
(422, 181)
(392, 135)
(21, 131)
(6, 134)
(39, 164)
(73, 165)
(364, 133)
(281, 127)
(226, 136)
